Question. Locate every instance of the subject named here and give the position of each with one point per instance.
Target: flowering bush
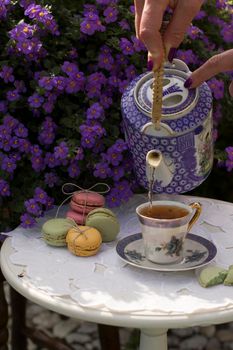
(63, 68)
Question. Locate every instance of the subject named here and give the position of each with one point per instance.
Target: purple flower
(47, 133)
(130, 72)
(117, 173)
(201, 14)
(5, 142)
(49, 204)
(15, 142)
(126, 46)
(217, 87)
(120, 145)
(22, 31)
(138, 44)
(3, 11)
(72, 54)
(114, 157)
(105, 59)
(221, 4)
(95, 112)
(4, 188)
(21, 131)
(74, 169)
(187, 56)
(69, 68)
(113, 199)
(27, 220)
(91, 132)
(38, 163)
(46, 83)
(229, 151)
(51, 179)
(123, 187)
(194, 32)
(102, 170)
(42, 15)
(124, 24)
(75, 83)
(26, 3)
(50, 160)
(8, 164)
(227, 33)
(79, 153)
(36, 150)
(61, 151)
(59, 82)
(106, 101)
(110, 14)
(123, 85)
(10, 122)
(35, 101)
(12, 95)
(88, 27)
(32, 207)
(40, 195)
(6, 74)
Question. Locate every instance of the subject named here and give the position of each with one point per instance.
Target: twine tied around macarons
(80, 189)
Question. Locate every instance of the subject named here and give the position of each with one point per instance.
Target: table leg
(3, 316)
(153, 339)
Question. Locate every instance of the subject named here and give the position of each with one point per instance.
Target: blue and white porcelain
(185, 137)
(198, 252)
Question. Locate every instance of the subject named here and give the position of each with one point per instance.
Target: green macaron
(212, 275)
(54, 231)
(229, 278)
(105, 221)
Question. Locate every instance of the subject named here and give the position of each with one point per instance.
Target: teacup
(165, 225)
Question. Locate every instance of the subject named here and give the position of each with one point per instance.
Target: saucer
(198, 251)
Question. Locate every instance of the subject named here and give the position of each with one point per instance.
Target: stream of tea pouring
(153, 160)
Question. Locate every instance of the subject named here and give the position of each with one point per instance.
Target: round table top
(215, 312)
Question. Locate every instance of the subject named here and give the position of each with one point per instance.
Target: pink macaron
(77, 217)
(84, 202)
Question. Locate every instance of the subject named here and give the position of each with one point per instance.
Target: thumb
(222, 62)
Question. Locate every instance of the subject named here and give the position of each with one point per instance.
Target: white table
(85, 298)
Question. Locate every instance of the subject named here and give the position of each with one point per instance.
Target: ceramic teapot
(182, 143)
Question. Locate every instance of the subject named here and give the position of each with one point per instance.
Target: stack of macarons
(83, 203)
(86, 226)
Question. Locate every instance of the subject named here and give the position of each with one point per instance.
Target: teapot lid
(176, 98)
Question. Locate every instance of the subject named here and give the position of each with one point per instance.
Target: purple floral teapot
(182, 143)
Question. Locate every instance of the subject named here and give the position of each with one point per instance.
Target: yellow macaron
(83, 240)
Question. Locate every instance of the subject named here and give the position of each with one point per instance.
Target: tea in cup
(165, 225)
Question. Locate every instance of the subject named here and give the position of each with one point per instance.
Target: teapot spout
(158, 168)
(154, 158)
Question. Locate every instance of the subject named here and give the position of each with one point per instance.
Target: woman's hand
(148, 20)
(222, 62)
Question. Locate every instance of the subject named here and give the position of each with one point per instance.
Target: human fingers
(222, 62)
(183, 13)
(149, 30)
(139, 4)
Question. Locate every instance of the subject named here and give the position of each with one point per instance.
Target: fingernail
(150, 65)
(188, 83)
(172, 53)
